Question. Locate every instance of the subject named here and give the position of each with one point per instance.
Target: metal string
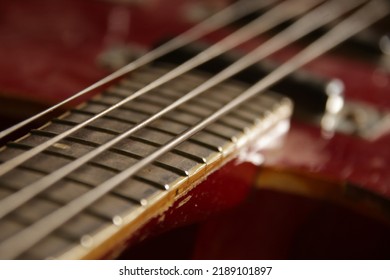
(309, 22)
(219, 20)
(353, 24)
(275, 16)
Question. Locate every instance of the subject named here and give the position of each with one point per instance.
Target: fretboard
(151, 190)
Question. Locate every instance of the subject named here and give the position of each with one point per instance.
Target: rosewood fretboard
(150, 191)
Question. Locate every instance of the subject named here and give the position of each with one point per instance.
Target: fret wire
(304, 25)
(353, 24)
(280, 13)
(221, 19)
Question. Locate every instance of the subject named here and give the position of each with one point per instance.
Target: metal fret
(179, 169)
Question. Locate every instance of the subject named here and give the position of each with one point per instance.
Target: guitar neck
(106, 224)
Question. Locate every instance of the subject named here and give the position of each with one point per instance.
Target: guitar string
(221, 19)
(280, 13)
(353, 24)
(316, 18)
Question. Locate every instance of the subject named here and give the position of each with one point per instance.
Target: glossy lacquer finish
(51, 49)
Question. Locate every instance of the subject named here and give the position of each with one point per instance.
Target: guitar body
(315, 195)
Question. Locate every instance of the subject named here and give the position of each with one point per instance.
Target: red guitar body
(51, 49)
